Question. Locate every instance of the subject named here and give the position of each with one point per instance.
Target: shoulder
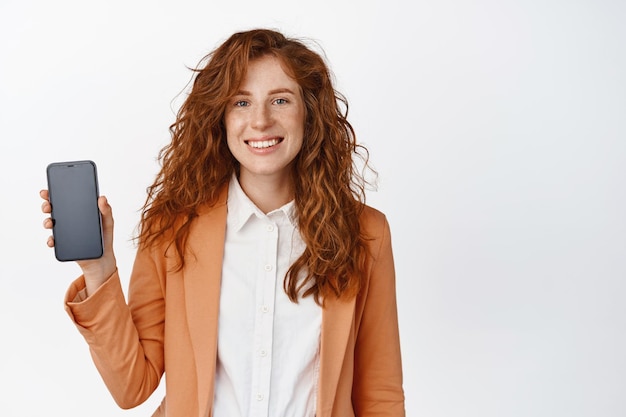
(168, 228)
(217, 205)
(373, 222)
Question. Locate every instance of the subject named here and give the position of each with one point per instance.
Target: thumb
(107, 221)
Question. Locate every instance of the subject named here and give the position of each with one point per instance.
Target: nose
(261, 117)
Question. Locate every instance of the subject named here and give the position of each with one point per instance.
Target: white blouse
(268, 346)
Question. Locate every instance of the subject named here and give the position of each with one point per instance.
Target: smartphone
(77, 225)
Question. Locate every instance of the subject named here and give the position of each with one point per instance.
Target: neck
(267, 192)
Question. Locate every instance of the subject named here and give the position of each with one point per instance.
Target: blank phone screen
(73, 192)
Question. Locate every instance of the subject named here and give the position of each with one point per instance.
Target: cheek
(231, 132)
(298, 121)
(233, 144)
(229, 125)
(234, 120)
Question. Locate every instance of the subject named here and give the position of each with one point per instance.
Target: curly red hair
(329, 187)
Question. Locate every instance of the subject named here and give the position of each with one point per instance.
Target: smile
(263, 144)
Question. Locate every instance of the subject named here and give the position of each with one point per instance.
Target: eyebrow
(275, 91)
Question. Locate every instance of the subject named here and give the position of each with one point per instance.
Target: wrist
(97, 274)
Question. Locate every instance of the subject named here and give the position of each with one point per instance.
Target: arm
(377, 388)
(126, 344)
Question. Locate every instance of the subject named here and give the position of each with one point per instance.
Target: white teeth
(260, 144)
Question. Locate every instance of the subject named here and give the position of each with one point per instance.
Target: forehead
(267, 70)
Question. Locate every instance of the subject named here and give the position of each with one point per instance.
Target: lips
(264, 143)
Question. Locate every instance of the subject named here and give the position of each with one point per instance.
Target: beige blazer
(170, 325)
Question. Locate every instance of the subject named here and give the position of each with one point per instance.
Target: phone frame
(74, 243)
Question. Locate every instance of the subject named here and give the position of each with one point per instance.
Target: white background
(498, 129)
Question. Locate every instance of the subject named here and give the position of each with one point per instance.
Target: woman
(263, 285)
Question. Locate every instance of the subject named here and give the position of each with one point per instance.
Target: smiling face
(265, 122)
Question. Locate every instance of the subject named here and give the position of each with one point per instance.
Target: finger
(44, 194)
(48, 223)
(46, 207)
(104, 206)
(50, 242)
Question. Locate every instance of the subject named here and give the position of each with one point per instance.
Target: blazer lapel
(337, 320)
(202, 277)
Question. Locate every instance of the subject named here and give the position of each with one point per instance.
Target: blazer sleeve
(126, 343)
(377, 386)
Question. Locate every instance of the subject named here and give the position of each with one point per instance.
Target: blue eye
(280, 101)
(241, 103)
